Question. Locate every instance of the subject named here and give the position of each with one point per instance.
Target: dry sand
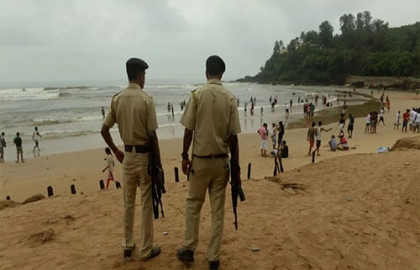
(349, 210)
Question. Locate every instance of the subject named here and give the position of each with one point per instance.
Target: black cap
(136, 63)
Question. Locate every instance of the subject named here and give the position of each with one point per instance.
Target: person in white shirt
(416, 125)
(36, 137)
(109, 166)
(381, 116)
(367, 128)
(318, 132)
(274, 135)
(412, 117)
(397, 120)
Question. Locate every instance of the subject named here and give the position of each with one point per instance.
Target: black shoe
(185, 255)
(154, 253)
(127, 252)
(214, 265)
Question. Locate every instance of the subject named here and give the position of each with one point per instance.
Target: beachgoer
(281, 132)
(381, 116)
(344, 107)
(412, 117)
(318, 133)
(134, 112)
(274, 135)
(19, 150)
(263, 131)
(343, 144)
(332, 143)
(103, 112)
(287, 106)
(417, 121)
(311, 109)
(109, 166)
(284, 150)
(262, 110)
(373, 121)
(342, 122)
(310, 137)
(406, 118)
(209, 168)
(36, 137)
(367, 128)
(397, 120)
(350, 126)
(2, 146)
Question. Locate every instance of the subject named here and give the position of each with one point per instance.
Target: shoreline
(174, 130)
(83, 168)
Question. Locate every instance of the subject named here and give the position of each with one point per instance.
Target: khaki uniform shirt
(135, 113)
(212, 114)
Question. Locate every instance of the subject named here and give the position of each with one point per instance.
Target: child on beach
(109, 166)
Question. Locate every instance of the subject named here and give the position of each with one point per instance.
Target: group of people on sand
(314, 135)
(17, 140)
(372, 120)
(276, 135)
(411, 119)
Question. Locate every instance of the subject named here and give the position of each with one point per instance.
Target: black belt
(212, 156)
(139, 148)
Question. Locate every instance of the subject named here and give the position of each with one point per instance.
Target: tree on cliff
(366, 47)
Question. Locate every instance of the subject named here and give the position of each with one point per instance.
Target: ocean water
(69, 118)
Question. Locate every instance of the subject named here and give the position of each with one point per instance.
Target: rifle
(158, 179)
(235, 177)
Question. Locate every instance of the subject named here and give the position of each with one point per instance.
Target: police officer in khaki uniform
(211, 116)
(134, 111)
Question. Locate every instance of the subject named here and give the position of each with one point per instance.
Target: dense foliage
(365, 47)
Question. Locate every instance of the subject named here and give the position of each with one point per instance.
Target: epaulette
(194, 90)
(116, 94)
(145, 93)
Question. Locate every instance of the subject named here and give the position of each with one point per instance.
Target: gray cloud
(77, 40)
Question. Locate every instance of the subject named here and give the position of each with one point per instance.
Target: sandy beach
(351, 209)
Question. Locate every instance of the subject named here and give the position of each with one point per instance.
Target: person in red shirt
(343, 144)
(406, 117)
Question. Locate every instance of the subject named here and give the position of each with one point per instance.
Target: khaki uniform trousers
(211, 174)
(135, 170)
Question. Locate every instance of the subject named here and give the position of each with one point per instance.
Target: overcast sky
(88, 40)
